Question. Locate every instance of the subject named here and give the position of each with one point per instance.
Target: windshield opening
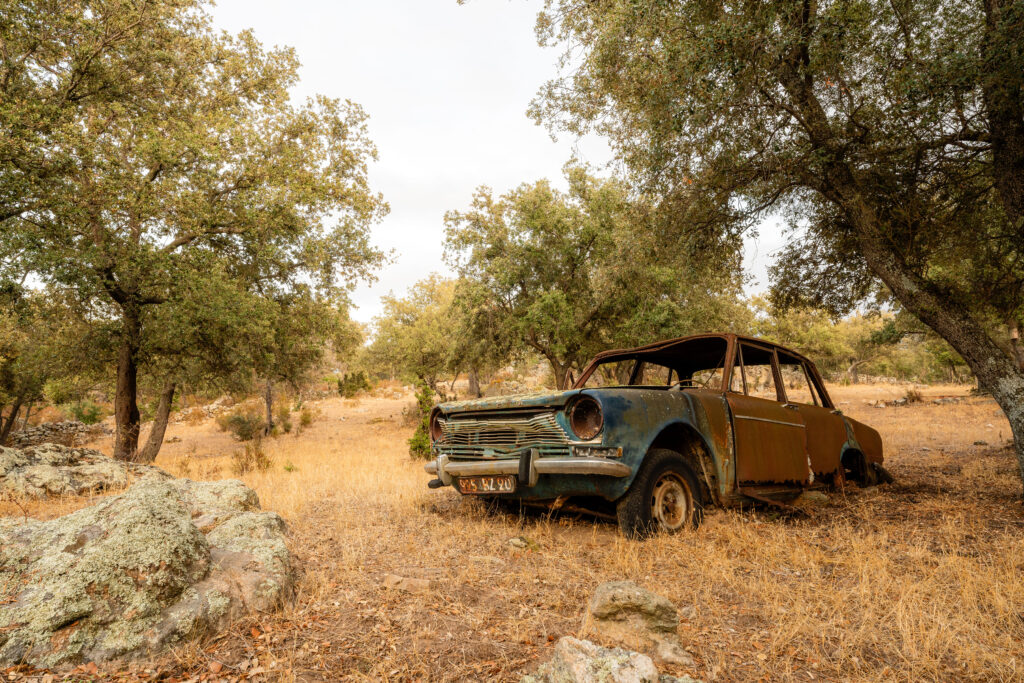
(697, 364)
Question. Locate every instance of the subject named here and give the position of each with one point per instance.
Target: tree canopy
(890, 134)
(568, 274)
(159, 171)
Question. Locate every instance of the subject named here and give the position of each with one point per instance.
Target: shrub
(284, 418)
(305, 417)
(419, 444)
(249, 459)
(86, 411)
(245, 425)
(913, 396)
(351, 384)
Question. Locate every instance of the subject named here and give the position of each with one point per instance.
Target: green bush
(419, 444)
(244, 425)
(305, 417)
(351, 384)
(86, 411)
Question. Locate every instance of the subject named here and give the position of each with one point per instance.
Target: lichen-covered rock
(581, 661)
(55, 470)
(623, 613)
(165, 560)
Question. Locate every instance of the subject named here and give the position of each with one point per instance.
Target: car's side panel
(826, 438)
(770, 442)
(868, 440)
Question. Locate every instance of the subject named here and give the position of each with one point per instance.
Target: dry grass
(920, 580)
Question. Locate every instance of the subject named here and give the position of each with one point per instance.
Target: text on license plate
(501, 483)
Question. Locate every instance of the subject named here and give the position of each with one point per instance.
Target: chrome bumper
(445, 469)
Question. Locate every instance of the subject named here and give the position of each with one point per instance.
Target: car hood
(542, 399)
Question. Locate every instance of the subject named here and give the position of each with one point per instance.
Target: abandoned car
(654, 434)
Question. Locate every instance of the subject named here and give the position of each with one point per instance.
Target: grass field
(918, 580)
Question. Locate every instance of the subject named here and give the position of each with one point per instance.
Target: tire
(666, 496)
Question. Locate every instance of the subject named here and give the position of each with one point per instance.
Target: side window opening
(759, 372)
(799, 388)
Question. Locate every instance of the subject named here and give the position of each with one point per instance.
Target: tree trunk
(1015, 345)
(474, 384)
(561, 373)
(853, 372)
(5, 426)
(28, 412)
(995, 370)
(156, 434)
(268, 398)
(126, 396)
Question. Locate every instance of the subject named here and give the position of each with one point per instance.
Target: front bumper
(528, 466)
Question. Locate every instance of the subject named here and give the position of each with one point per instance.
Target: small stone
(981, 443)
(518, 542)
(408, 584)
(670, 652)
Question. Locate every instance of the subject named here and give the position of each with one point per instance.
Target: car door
(825, 428)
(769, 436)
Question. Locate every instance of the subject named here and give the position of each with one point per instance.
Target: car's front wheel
(665, 496)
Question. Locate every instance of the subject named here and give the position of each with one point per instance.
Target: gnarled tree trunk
(156, 434)
(126, 396)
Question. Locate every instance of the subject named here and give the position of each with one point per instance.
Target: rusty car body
(654, 434)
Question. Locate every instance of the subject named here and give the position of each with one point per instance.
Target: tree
(891, 134)
(568, 274)
(416, 335)
(145, 153)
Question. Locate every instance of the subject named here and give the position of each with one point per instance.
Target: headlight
(585, 418)
(435, 425)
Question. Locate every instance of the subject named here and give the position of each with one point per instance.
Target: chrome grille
(494, 436)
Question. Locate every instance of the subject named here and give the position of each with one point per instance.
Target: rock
(166, 560)
(625, 614)
(809, 499)
(581, 661)
(623, 603)
(66, 433)
(518, 542)
(408, 584)
(981, 443)
(55, 470)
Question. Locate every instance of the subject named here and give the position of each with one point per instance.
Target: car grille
(490, 436)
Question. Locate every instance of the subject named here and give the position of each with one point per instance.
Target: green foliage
(206, 223)
(244, 424)
(419, 443)
(888, 135)
(85, 411)
(568, 274)
(305, 417)
(417, 335)
(351, 384)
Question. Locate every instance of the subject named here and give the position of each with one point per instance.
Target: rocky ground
(166, 560)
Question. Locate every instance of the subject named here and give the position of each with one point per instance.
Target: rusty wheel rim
(671, 502)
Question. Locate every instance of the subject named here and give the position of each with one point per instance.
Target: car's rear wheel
(665, 497)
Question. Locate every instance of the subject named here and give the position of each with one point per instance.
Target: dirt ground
(918, 580)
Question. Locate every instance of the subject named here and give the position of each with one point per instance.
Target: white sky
(446, 87)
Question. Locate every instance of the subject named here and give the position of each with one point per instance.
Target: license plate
(500, 483)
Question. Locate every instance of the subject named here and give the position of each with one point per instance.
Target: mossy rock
(135, 573)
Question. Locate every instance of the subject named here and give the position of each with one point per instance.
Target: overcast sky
(446, 87)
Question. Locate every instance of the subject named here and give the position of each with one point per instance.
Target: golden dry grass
(919, 580)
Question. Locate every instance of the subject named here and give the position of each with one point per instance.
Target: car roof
(665, 346)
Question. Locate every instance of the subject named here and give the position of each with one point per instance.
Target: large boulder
(625, 614)
(165, 560)
(55, 470)
(581, 661)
